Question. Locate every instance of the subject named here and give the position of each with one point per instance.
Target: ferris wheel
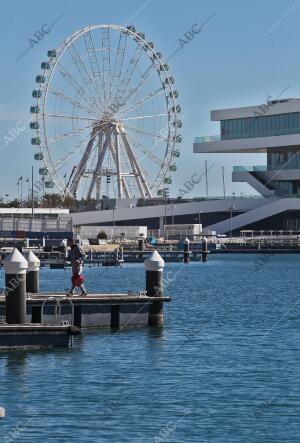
(106, 116)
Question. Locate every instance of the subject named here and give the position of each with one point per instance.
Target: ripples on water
(224, 369)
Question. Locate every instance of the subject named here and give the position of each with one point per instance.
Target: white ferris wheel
(106, 116)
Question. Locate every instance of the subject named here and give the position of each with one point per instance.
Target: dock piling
(15, 267)
(141, 244)
(154, 266)
(204, 249)
(186, 251)
(121, 254)
(33, 273)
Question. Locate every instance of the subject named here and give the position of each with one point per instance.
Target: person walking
(76, 256)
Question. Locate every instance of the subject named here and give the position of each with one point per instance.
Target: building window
(261, 126)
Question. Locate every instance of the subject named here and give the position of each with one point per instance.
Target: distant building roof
(271, 107)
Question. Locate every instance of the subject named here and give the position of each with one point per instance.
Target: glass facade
(286, 187)
(283, 158)
(261, 126)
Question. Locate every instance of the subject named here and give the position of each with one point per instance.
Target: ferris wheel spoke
(74, 117)
(105, 60)
(142, 101)
(85, 75)
(143, 79)
(119, 60)
(109, 63)
(68, 134)
(145, 151)
(93, 60)
(69, 100)
(128, 75)
(149, 134)
(75, 85)
(142, 117)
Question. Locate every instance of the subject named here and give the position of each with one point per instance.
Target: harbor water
(225, 368)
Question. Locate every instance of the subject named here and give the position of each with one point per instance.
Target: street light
(165, 195)
(173, 207)
(231, 209)
(199, 220)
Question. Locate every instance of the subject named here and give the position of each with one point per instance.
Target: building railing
(35, 225)
(207, 138)
(256, 168)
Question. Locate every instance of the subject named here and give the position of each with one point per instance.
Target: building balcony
(214, 144)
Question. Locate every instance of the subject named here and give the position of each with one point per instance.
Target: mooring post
(154, 266)
(33, 273)
(116, 256)
(204, 249)
(141, 244)
(186, 250)
(121, 254)
(15, 267)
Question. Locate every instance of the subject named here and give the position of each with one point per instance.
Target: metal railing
(57, 312)
(207, 139)
(256, 168)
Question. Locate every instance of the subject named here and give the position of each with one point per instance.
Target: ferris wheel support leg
(132, 162)
(124, 185)
(100, 161)
(146, 191)
(98, 178)
(79, 171)
(118, 165)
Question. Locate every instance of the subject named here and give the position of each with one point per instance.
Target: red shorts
(77, 280)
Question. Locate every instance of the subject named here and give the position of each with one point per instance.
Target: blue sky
(249, 49)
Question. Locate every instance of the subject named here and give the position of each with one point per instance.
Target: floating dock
(92, 311)
(30, 319)
(27, 336)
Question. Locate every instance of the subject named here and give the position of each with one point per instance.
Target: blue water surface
(225, 368)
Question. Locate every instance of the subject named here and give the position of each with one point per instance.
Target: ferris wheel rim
(170, 100)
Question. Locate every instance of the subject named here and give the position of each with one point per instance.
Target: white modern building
(274, 129)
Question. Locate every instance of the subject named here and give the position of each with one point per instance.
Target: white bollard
(15, 266)
(154, 266)
(33, 273)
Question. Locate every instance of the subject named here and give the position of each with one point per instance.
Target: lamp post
(21, 181)
(28, 189)
(113, 226)
(18, 185)
(199, 217)
(206, 179)
(231, 209)
(199, 220)
(173, 206)
(166, 195)
(224, 193)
